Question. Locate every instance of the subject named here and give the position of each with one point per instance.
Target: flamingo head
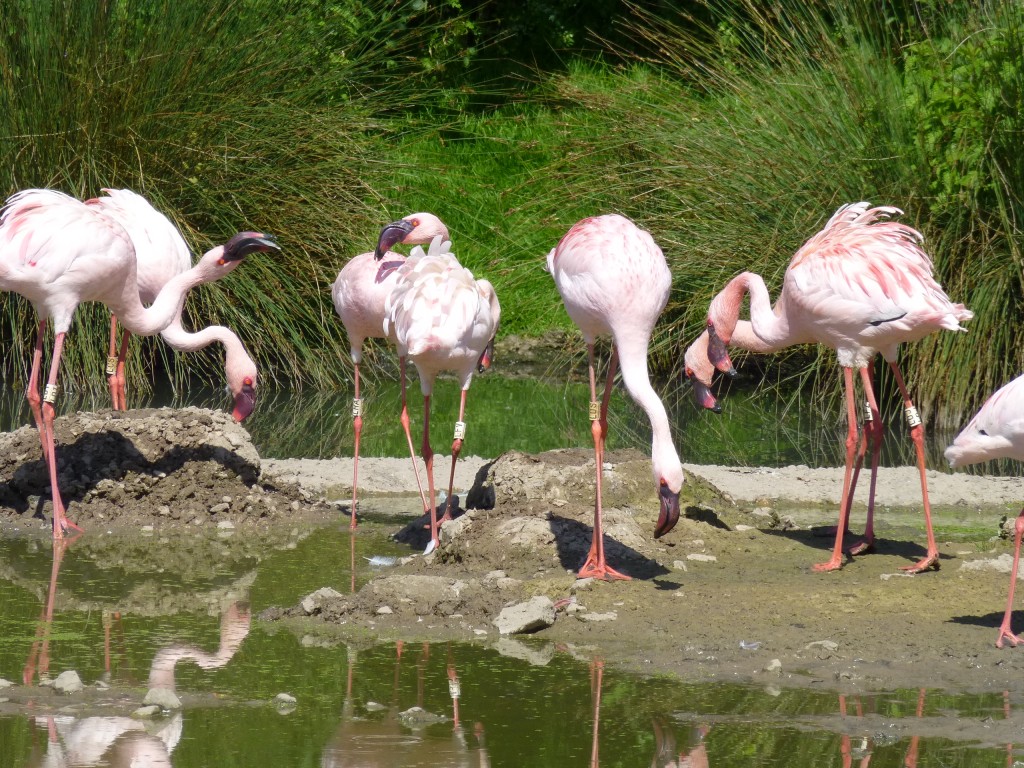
(979, 441)
(699, 371)
(242, 377)
(718, 352)
(486, 357)
(415, 229)
(244, 243)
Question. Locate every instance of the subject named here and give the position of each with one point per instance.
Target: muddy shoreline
(728, 595)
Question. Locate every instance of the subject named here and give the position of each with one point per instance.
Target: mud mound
(150, 466)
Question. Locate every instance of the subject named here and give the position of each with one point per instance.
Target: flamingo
(162, 253)
(58, 252)
(360, 292)
(997, 431)
(613, 279)
(443, 320)
(862, 285)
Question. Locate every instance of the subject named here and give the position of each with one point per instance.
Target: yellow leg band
(111, 366)
(595, 410)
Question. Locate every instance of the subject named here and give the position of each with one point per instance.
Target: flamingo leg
(60, 520)
(871, 436)
(596, 673)
(32, 394)
(357, 428)
(428, 461)
(119, 379)
(836, 561)
(595, 565)
(1005, 633)
(460, 430)
(931, 558)
(404, 418)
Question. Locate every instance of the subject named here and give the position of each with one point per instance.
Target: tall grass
(227, 115)
(735, 140)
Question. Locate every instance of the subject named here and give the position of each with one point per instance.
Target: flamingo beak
(702, 394)
(244, 243)
(718, 354)
(392, 233)
(486, 358)
(669, 514)
(245, 402)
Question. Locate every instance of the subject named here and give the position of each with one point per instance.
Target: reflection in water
(125, 741)
(394, 737)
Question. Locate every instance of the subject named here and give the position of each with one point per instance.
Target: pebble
(147, 712)
(68, 682)
(163, 698)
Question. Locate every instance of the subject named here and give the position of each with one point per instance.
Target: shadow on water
(103, 606)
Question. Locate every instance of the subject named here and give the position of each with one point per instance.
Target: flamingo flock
(862, 286)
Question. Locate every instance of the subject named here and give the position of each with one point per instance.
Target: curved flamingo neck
(146, 321)
(768, 329)
(191, 341)
(633, 364)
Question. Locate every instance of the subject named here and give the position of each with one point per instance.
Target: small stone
(164, 698)
(147, 712)
(610, 616)
(68, 682)
(225, 525)
(702, 558)
(218, 508)
(5, 683)
(285, 698)
(773, 667)
(384, 610)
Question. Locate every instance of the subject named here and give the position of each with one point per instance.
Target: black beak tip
(716, 408)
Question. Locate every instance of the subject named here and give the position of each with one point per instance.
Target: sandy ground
(729, 594)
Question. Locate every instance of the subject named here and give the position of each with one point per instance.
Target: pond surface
(755, 429)
(130, 613)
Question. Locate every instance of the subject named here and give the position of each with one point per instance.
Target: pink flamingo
(997, 431)
(360, 292)
(162, 253)
(614, 280)
(861, 286)
(58, 252)
(443, 320)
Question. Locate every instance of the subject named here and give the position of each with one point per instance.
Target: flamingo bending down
(614, 280)
(162, 253)
(443, 320)
(861, 286)
(58, 252)
(360, 293)
(997, 431)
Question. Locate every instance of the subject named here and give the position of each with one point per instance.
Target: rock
(5, 683)
(147, 712)
(68, 682)
(536, 613)
(773, 667)
(163, 698)
(313, 602)
(417, 717)
(285, 698)
(384, 610)
(610, 616)
(702, 558)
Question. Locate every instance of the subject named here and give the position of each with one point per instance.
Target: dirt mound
(159, 466)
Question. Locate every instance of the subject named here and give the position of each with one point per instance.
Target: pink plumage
(161, 254)
(995, 432)
(862, 285)
(58, 252)
(614, 280)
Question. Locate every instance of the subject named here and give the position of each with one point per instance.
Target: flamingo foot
(832, 565)
(430, 547)
(929, 562)
(1006, 634)
(597, 568)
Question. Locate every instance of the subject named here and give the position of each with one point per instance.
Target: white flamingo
(614, 280)
(162, 253)
(443, 320)
(58, 252)
(360, 293)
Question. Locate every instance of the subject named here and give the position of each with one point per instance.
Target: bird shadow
(416, 534)
(823, 538)
(572, 544)
(993, 620)
(108, 456)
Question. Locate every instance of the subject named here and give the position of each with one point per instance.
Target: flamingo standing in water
(162, 253)
(861, 286)
(614, 280)
(58, 252)
(360, 292)
(997, 431)
(443, 320)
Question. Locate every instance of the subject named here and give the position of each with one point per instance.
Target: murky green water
(128, 612)
(755, 429)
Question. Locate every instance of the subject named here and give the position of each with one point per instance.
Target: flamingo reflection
(667, 753)
(38, 660)
(392, 740)
(124, 741)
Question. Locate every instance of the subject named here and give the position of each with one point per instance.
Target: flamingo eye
(415, 222)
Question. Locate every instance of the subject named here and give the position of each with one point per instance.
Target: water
(130, 612)
(756, 428)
